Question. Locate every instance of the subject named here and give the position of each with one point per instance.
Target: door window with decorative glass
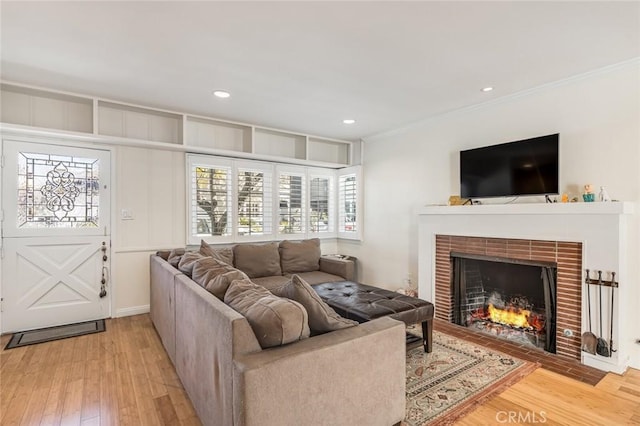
(57, 191)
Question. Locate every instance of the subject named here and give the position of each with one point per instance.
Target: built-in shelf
(279, 144)
(43, 111)
(615, 207)
(216, 134)
(126, 121)
(52, 110)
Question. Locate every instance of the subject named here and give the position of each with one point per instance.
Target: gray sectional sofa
(350, 376)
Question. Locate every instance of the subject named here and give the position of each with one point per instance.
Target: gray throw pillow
(322, 317)
(215, 276)
(274, 320)
(257, 260)
(175, 256)
(223, 254)
(187, 262)
(300, 256)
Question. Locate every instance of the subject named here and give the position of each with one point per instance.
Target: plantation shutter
(210, 206)
(349, 196)
(292, 201)
(255, 199)
(321, 204)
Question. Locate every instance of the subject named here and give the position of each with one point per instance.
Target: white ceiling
(305, 66)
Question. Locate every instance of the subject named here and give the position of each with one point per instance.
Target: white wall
(599, 125)
(597, 116)
(150, 183)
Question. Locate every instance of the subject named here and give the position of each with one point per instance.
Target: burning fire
(514, 317)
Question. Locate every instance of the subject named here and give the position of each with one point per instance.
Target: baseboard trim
(133, 310)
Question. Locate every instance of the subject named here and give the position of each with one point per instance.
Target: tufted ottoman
(363, 303)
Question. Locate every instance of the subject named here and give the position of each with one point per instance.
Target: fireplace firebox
(511, 299)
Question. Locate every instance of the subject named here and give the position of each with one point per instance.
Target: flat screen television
(525, 167)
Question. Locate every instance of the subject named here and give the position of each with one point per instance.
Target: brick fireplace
(566, 255)
(574, 236)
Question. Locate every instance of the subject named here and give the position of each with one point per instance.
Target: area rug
(31, 337)
(454, 378)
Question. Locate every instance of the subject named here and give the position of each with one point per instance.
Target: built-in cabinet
(135, 124)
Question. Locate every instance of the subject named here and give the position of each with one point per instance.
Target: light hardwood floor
(123, 376)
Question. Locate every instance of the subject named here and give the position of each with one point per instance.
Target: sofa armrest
(346, 377)
(208, 335)
(341, 267)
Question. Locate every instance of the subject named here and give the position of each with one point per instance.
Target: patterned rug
(455, 378)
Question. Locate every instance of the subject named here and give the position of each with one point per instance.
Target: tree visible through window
(212, 195)
(252, 203)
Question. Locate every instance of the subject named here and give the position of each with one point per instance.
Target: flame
(511, 316)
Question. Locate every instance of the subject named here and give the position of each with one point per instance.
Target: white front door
(56, 235)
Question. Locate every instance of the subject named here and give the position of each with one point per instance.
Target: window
(254, 199)
(236, 200)
(57, 191)
(348, 203)
(291, 201)
(321, 203)
(210, 207)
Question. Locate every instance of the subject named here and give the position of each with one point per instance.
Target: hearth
(511, 299)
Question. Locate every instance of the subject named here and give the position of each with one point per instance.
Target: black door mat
(32, 337)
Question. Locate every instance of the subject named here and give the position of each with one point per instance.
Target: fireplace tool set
(591, 343)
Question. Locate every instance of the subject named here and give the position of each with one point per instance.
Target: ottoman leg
(427, 335)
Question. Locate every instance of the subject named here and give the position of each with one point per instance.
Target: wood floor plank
(124, 377)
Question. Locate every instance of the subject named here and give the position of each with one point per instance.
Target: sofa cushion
(175, 256)
(275, 321)
(300, 256)
(223, 254)
(188, 261)
(322, 318)
(318, 277)
(257, 260)
(215, 276)
(269, 283)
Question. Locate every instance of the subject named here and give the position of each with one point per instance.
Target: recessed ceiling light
(348, 121)
(221, 94)
(487, 89)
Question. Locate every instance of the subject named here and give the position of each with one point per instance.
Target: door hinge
(1, 215)
(2, 161)
(1, 305)
(1, 252)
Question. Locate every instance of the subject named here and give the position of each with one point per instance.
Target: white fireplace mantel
(531, 208)
(607, 231)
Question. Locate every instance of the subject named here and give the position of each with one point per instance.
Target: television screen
(526, 167)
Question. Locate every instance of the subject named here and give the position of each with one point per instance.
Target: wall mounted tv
(525, 167)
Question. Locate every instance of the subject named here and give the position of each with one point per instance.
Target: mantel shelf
(596, 208)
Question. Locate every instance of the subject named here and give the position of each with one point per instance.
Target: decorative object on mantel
(456, 200)
(565, 198)
(589, 195)
(602, 348)
(604, 195)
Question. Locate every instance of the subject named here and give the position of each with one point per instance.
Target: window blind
(347, 200)
(254, 201)
(211, 207)
(292, 203)
(321, 204)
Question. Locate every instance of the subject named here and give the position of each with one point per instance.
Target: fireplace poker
(613, 281)
(602, 347)
(589, 340)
